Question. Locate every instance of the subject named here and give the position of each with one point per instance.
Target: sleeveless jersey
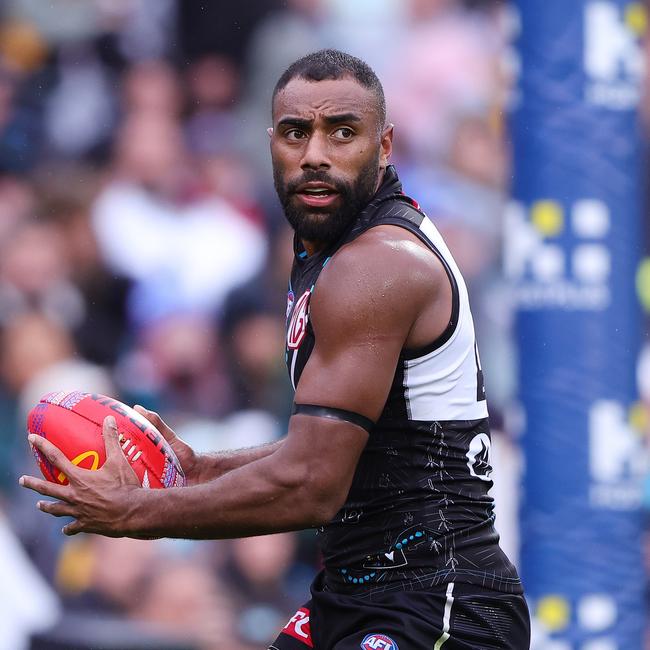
(418, 512)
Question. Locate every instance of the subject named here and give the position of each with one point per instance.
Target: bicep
(359, 328)
(354, 373)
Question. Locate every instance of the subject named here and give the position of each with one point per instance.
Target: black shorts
(454, 617)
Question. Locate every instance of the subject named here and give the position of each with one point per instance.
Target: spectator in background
(264, 583)
(213, 129)
(213, 89)
(105, 576)
(253, 337)
(252, 329)
(176, 366)
(66, 194)
(21, 128)
(219, 27)
(30, 343)
(28, 602)
(281, 38)
(152, 88)
(80, 112)
(37, 356)
(140, 28)
(182, 598)
(16, 204)
(284, 35)
(446, 67)
(146, 583)
(197, 247)
(34, 274)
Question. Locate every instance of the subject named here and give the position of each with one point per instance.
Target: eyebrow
(342, 117)
(328, 119)
(295, 121)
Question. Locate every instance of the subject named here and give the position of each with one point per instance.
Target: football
(73, 423)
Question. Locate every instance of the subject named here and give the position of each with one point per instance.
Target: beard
(326, 224)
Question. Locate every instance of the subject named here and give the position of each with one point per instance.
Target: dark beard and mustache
(328, 225)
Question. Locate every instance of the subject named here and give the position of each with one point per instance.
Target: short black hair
(334, 64)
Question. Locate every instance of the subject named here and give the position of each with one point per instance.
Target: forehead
(311, 99)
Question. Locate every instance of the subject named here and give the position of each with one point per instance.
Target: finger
(157, 421)
(77, 526)
(57, 508)
(116, 458)
(53, 454)
(111, 438)
(73, 528)
(46, 488)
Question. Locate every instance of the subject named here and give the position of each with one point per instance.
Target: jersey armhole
(438, 342)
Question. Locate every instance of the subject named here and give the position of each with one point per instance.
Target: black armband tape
(334, 414)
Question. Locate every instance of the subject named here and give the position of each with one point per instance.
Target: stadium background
(143, 255)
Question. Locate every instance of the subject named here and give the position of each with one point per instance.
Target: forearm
(211, 466)
(257, 498)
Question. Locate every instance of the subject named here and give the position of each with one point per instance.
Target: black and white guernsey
(418, 513)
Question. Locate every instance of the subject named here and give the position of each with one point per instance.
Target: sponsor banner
(573, 241)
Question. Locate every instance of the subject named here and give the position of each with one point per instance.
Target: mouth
(317, 194)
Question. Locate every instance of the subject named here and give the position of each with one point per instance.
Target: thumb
(157, 422)
(111, 437)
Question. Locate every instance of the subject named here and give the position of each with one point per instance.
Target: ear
(270, 131)
(386, 145)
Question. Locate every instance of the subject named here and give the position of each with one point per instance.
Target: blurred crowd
(143, 254)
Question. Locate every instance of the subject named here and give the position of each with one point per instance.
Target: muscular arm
(363, 311)
(215, 464)
(291, 489)
(201, 468)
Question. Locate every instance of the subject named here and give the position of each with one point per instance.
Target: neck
(313, 247)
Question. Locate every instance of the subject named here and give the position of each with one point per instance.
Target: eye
(294, 134)
(343, 133)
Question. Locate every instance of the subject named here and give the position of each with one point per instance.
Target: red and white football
(73, 423)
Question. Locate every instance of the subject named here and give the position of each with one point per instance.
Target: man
(387, 452)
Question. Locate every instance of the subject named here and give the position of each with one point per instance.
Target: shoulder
(385, 257)
(386, 274)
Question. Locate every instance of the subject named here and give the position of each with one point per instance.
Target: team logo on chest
(298, 323)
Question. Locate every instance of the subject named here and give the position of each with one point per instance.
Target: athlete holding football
(387, 452)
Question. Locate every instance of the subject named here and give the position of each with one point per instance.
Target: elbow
(325, 501)
(315, 498)
(323, 513)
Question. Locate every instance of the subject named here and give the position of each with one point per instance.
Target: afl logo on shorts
(298, 324)
(378, 642)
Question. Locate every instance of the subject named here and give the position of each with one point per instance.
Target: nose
(316, 152)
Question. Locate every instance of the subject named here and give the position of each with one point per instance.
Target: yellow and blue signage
(573, 250)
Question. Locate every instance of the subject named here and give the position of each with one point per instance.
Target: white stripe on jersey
(442, 385)
(292, 372)
(446, 617)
